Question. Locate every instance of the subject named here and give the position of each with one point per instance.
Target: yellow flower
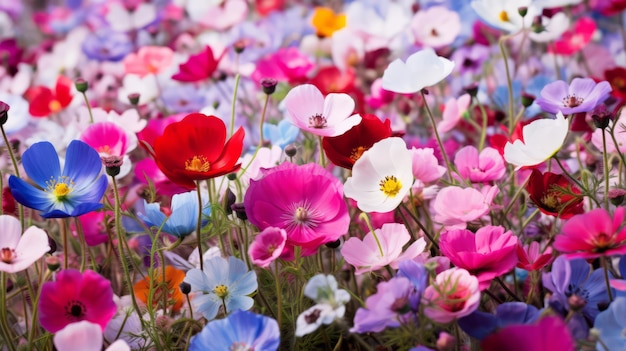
(326, 21)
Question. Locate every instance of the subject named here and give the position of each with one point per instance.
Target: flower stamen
(197, 164)
(317, 121)
(390, 186)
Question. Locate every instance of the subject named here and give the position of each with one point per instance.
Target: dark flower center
(7, 255)
(75, 310)
(572, 101)
(313, 316)
(318, 121)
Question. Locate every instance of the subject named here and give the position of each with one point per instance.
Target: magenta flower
(486, 166)
(455, 206)
(549, 334)
(75, 297)
(367, 255)
(453, 294)
(487, 254)
(17, 251)
(306, 201)
(108, 139)
(582, 95)
(326, 116)
(267, 246)
(593, 234)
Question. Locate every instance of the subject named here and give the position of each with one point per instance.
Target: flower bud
(527, 99)
(112, 164)
(4, 112)
(53, 263)
(269, 85)
(523, 11)
(81, 85)
(291, 150)
(601, 116)
(240, 211)
(134, 99)
(185, 288)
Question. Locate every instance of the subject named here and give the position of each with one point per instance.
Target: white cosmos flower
(422, 69)
(541, 140)
(381, 177)
(505, 14)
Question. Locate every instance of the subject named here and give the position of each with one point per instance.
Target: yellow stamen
(221, 291)
(54, 106)
(504, 16)
(198, 164)
(357, 152)
(61, 189)
(390, 186)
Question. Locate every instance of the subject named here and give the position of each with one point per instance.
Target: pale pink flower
(17, 251)
(453, 294)
(149, 60)
(486, 166)
(365, 255)
(267, 246)
(347, 49)
(84, 336)
(453, 112)
(426, 166)
(435, 26)
(145, 86)
(217, 15)
(455, 206)
(326, 116)
(123, 20)
(620, 135)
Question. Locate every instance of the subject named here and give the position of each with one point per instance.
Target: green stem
(605, 159)
(4, 321)
(279, 299)
(234, 103)
(509, 81)
(65, 244)
(199, 225)
(366, 218)
(605, 268)
(88, 107)
(483, 130)
(16, 169)
(83, 243)
(443, 151)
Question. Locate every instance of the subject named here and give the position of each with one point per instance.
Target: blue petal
(206, 305)
(245, 285)
(85, 207)
(239, 303)
(153, 215)
(82, 163)
(41, 163)
(478, 324)
(198, 280)
(89, 192)
(29, 196)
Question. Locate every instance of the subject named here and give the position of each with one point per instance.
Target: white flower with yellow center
(381, 177)
(505, 14)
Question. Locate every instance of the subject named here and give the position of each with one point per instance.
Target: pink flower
(477, 168)
(198, 67)
(84, 336)
(455, 206)
(435, 26)
(593, 234)
(267, 246)
(75, 297)
(384, 248)
(93, 227)
(530, 258)
(17, 251)
(487, 254)
(107, 138)
(576, 39)
(306, 201)
(310, 111)
(285, 65)
(549, 334)
(149, 60)
(453, 294)
(426, 167)
(453, 112)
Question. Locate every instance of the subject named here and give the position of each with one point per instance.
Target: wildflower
(487, 254)
(198, 67)
(426, 166)
(74, 297)
(453, 294)
(312, 318)
(148, 60)
(485, 166)
(326, 116)
(435, 26)
(330, 304)
(196, 157)
(18, 251)
(288, 65)
(610, 325)
(421, 70)
(581, 95)
(84, 336)
(267, 246)
(107, 45)
(505, 15)
(575, 39)
(381, 177)
(241, 330)
(183, 214)
(618, 126)
(162, 286)
(593, 234)
(344, 150)
(530, 258)
(309, 205)
(480, 324)
(453, 113)
(550, 333)
(616, 76)
(385, 247)
(326, 21)
(553, 194)
(74, 191)
(222, 283)
(282, 134)
(454, 206)
(541, 139)
(44, 101)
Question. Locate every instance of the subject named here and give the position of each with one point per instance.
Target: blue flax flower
(72, 192)
(611, 324)
(184, 217)
(242, 330)
(224, 284)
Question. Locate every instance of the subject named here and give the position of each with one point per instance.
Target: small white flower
(422, 69)
(311, 319)
(323, 289)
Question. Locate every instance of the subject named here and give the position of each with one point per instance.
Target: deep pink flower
(198, 67)
(74, 297)
(285, 65)
(267, 246)
(93, 227)
(575, 39)
(549, 334)
(530, 258)
(455, 206)
(487, 254)
(453, 294)
(107, 138)
(593, 234)
(486, 166)
(306, 201)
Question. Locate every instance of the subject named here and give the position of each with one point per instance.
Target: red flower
(198, 67)
(345, 149)
(554, 195)
(196, 149)
(44, 101)
(617, 78)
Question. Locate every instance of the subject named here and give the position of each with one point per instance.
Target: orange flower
(173, 278)
(326, 21)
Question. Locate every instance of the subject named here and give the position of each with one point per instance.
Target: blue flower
(75, 191)
(242, 330)
(282, 134)
(107, 45)
(611, 324)
(222, 284)
(184, 217)
(480, 324)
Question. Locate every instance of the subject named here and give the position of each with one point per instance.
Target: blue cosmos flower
(107, 45)
(242, 330)
(184, 217)
(282, 134)
(611, 324)
(72, 192)
(222, 283)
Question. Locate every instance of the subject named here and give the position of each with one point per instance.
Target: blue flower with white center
(282, 134)
(72, 192)
(184, 217)
(222, 284)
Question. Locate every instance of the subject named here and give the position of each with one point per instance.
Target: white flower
(553, 28)
(381, 177)
(422, 69)
(541, 140)
(550, 4)
(323, 289)
(146, 87)
(311, 319)
(505, 14)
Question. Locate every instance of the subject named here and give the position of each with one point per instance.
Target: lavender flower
(582, 95)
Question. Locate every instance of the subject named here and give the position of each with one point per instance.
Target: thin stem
(83, 243)
(199, 225)
(509, 81)
(579, 184)
(439, 143)
(4, 321)
(88, 107)
(605, 159)
(267, 99)
(16, 169)
(279, 298)
(483, 130)
(65, 244)
(321, 151)
(605, 268)
(363, 216)
(506, 288)
(234, 103)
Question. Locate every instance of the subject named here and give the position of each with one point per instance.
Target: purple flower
(582, 95)
(107, 45)
(480, 324)
(186, 98)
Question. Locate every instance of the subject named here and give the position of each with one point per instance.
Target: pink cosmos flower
(435, 26)
(267, 246)
(455, 206)
(487, 254)
(593, 234)
(477, 168)
(306, 201)
(149, 60)
(93, 227)
(84, 336)
(453, 294)
(576, 39)
(107, 138)
(310, 111)
(531, 258)
(366, 256)
(426, 166)
(75, 297)
(18, 251)
(217, 15)
(453, 112)
(549, 334)
(147, 171)
(285, 65)
(198, 67)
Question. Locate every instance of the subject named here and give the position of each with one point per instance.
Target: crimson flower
(617, 78)
(196, 149)
(345, 149)
(554, 194)
(44, 101)
(198, 67)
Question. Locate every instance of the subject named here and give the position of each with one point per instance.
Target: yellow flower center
(198, 164)
(60, 187)
(390, 186)
(504, 16)
(221, 291)
(54, 106)
(60, 190)
(357, 152)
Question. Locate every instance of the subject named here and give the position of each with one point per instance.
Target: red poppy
(554, 194)
(196, 149)
(44, 101)
(617, 78)
(198, 67)
(345, 149)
